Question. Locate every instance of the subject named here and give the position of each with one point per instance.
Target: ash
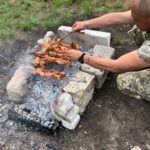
(38, 106)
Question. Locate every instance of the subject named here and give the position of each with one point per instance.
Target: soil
(112, 120)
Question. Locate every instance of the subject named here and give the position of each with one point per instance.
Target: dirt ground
(112, 121)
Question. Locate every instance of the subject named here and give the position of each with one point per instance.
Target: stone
(86, 38)
(43, 41)
(72, 125)
(81, 88)
(73, 112)
(101, 75)
(50, 34)
(17, 86)
(136, 148)
(63, 104)
(103, 51)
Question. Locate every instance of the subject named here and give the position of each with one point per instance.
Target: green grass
(33, 15)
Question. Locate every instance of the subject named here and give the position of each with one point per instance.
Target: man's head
(141, 14)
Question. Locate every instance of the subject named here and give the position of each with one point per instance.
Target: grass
(33, 15)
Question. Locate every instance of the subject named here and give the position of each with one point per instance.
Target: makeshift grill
(49, 70)
(48, 86)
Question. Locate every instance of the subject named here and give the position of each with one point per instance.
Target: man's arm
(128, 62)
(104, 21)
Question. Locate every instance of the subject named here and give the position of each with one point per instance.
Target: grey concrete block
(63, 104)
(81, 87)
(73, 112)
(17, 86)
(86, 38)
(50, 34)
(72, 125)
(103, 51)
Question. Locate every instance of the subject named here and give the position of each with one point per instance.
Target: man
(135, 83)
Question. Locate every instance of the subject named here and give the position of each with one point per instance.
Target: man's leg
(136, 84)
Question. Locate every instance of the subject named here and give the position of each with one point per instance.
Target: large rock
(81, 87)
(17, 86)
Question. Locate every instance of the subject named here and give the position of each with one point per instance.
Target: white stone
(92, 70)
(41, 41)
(81, 88)
(86, 38)
(103, 51)
(73, 112)
(44, 40)
(17, 86)
(136, 148)
(71, 126)
(50, 34)
(63, 104)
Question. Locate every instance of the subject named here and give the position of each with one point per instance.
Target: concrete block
(81, 88)
(44, 40)
(68, 125)
(73, 112)
(63, 104)
(86, 38)
(50, 34)
(101, 75)
(103, 51)
(17, 86)
(72, 125)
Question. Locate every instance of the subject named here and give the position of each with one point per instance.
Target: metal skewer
(66, 36)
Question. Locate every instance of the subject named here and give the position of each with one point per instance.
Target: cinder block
(17, 86)
(101, 75)
(86, 38)
(81, 87)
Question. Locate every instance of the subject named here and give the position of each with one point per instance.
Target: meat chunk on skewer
(49, 73)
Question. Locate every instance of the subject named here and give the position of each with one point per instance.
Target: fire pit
(45, 101)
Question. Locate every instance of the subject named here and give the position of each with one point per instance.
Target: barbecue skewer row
(52, 54)
(58, 46)
(49, 73)
(48, 59)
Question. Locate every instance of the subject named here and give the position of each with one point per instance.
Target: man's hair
(141, 7)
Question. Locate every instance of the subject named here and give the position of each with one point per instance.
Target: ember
(52, 52)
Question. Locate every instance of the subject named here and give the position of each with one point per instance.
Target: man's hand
(74, 54)
(79, 25)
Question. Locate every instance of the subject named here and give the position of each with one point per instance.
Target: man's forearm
(110, 19)
(127, 62)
